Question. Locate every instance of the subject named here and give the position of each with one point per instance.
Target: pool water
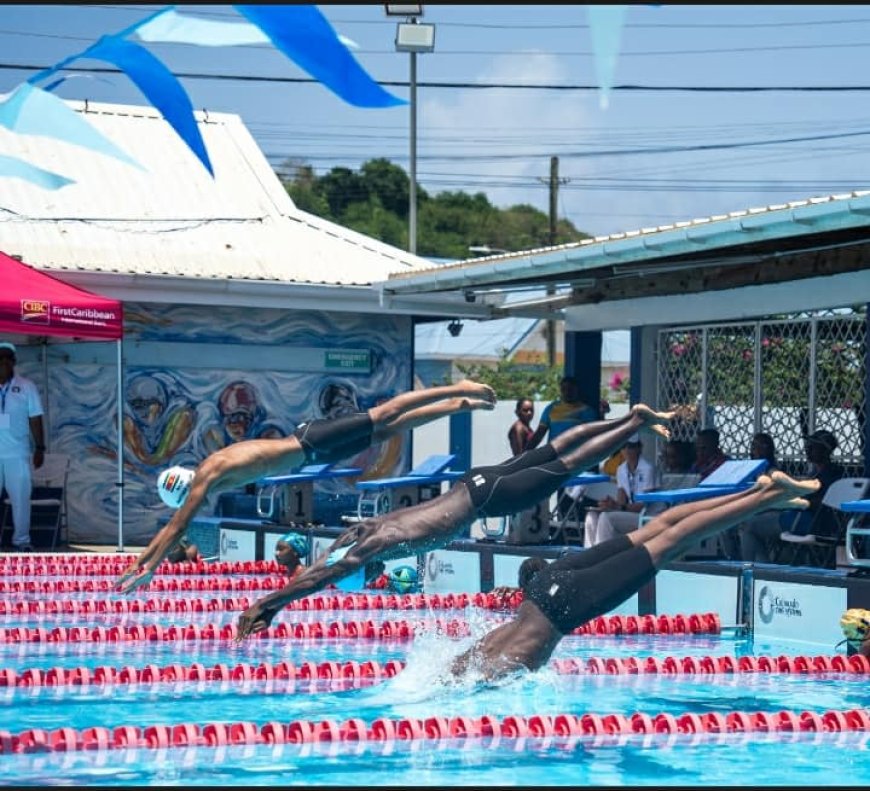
(795, 759)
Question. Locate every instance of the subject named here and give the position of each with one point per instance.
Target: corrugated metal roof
(720, 230)
(173, 218)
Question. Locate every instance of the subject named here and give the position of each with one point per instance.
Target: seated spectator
(708, 455)
(751, 540)
(676, 464)
(613, 516)
(761, 540)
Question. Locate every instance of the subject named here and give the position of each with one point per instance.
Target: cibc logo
(35, 311)
(770, 605)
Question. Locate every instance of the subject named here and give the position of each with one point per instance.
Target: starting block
(421, 483)
(286, 499)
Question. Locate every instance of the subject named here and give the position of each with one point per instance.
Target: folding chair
(48, 510)
(816, 549)
(568, 515)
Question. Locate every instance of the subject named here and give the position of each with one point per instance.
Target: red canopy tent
(34, 303)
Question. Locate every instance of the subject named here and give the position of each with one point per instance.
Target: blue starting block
(729, 477)
(423, 482)
(290, 498)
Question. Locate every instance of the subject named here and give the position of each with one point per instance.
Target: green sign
(357, 361)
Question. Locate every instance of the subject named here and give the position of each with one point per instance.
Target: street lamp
(412, 37)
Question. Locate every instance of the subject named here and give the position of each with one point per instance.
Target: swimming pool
(355, 679)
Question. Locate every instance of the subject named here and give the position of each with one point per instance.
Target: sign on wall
(793, 611)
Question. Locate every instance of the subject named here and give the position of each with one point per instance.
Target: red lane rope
(13, 567)
(402, 629)
(354, 670)
(214, 734)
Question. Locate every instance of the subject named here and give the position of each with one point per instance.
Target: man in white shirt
(621, 514)
(20, 424)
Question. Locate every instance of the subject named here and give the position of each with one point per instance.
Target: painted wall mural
(230, 374)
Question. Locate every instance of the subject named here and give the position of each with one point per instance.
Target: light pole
(412, 37)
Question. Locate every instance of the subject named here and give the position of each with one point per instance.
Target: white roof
(173, 218)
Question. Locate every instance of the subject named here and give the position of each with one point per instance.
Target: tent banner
(35, 303)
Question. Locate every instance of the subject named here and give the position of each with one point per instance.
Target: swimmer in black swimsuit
(319, 441)
(585, 584)
(516, 484)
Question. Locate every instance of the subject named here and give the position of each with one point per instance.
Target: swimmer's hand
(140, 571)
(255, 619)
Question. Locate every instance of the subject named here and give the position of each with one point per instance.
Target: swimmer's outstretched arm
(140, 571)
(325, 571)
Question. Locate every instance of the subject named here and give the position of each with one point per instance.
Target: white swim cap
(173, 485)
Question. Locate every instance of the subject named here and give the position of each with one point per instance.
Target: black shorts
(516, 484)
(583, 585)
(329, 440)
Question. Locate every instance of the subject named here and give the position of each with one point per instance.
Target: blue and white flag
(12, 167)
(170, 27)
(305, 36)
(605, 22)
(30, 110)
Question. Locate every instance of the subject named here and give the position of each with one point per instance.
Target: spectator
(20, 427)
(708, 455)
(677, 459)
(621, 514)
(751, 541)
(520, 434)
(762, 540)
(564, 412)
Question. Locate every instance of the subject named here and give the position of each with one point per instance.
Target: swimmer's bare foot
(655, 428)
(477, 390)
(469, 404)
(762, 483)
(796, 488)
(650, 416)
(793, 503)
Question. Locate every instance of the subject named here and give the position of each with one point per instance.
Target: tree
(512, 380)
(375, 202)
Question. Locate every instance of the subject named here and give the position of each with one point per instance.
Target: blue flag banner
(30, 110)
(605, 22)
(12, 167)
(305, 36)
(174, 28)
(158, 84)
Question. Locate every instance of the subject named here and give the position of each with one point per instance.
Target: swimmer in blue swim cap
(314, 442)
(290, 550)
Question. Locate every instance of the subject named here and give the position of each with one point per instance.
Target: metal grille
(787, 377)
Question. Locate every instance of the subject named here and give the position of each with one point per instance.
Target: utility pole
(554, 182)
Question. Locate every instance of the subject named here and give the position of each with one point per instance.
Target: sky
(621, 168)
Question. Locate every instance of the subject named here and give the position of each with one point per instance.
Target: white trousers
(603, 525)
(15, 478)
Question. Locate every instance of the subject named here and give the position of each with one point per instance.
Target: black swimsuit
(519, 483)
(326, 441)
(590, 582)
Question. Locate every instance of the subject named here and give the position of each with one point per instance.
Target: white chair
(821, 550)
(48, 510)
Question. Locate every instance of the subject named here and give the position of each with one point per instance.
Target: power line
(483, 85)
(511, 53)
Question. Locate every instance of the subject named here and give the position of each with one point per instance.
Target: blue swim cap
(298, 542)
(403, 579)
